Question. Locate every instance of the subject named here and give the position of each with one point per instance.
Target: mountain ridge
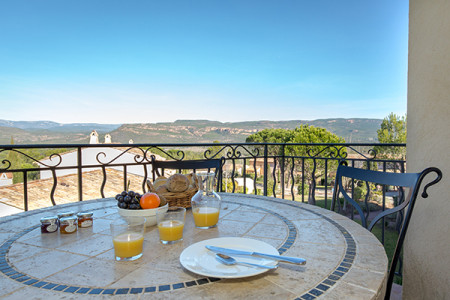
(179, 131)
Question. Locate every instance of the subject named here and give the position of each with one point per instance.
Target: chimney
(93, 137)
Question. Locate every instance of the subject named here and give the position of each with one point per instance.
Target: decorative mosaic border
(7, 269)
(344, 266)
(292, 235)
(340, 271)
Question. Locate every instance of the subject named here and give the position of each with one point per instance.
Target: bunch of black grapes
(128, 200)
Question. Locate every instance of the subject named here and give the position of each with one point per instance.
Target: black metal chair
(159, 166)
(412, 181)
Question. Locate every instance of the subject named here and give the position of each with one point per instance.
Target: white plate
(196, 258)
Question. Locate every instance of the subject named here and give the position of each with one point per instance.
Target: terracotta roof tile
(8, 175)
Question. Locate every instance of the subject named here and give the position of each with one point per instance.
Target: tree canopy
(304, 153)
(392, 131)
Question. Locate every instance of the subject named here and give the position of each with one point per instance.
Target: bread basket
(180, 198)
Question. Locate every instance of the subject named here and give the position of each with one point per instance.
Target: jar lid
(68, 219)
(85, 214)
(49, 220)
(66, 214)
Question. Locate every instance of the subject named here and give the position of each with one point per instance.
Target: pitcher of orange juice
(206, 202)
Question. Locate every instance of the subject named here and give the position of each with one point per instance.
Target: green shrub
(303, 190)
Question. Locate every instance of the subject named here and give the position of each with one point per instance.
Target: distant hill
(58, 127)
(180, 131)
(192, 131)
(40, 136)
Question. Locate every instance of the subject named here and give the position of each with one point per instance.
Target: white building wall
(4, 180)
(248, 184)
(89, 157)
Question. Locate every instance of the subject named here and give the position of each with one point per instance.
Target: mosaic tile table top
(344, 261)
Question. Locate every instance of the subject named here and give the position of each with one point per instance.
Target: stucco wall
(427, 246)
(89, 157)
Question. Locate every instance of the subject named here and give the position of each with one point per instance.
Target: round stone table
(344, 260)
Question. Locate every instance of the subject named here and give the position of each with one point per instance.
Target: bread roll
(192, 179)
(177, 183)
(159, 182)
(161, 189)
(151, 188)
(163, 200)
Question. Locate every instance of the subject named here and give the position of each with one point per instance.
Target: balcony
(427, 276)
(57, 174)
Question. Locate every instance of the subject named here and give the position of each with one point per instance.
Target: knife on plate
(293, 260)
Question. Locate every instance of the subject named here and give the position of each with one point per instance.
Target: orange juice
(170, 230)
(205, 216)
(128, 244)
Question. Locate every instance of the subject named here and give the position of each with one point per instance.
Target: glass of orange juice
(128, 238)
(171, 224)
(206, 202)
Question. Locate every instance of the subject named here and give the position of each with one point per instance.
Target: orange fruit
(149, 200)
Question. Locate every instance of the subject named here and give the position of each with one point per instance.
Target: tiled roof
(8, 175)
(67, 189)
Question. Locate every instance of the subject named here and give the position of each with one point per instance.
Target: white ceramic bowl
(149, 214)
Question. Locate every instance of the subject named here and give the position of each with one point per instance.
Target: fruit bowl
(149, 214)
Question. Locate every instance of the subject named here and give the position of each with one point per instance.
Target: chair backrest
(412, 181)
(159, 166)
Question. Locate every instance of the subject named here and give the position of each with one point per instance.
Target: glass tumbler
(171, 224)
(128, 238)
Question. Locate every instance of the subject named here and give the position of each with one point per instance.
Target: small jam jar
(68, 224)
(49, 224)
(85, 219)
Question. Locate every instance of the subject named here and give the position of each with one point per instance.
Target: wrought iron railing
(289, 171)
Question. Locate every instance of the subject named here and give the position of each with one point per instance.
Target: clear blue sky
(110, 61)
